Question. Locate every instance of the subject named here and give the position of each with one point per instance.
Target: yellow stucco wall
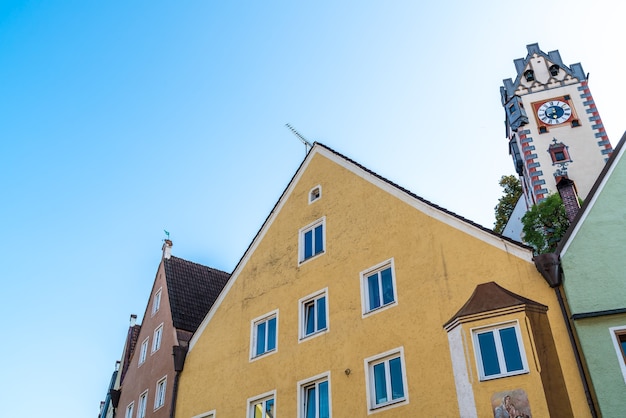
(437, 267)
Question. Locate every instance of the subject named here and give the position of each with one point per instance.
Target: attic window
(315, 193)
(554, 70)
(530, 75)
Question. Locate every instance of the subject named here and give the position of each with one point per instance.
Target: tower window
(559, 153)
(543, 129)
(575, 123)
(529, 75)
(554, 70)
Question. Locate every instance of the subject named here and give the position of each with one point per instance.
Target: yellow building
(357, 297)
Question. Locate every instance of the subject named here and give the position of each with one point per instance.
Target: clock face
(554, 112)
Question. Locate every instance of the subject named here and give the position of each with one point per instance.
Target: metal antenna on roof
(307, 144)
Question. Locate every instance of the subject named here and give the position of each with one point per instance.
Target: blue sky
(119, 120)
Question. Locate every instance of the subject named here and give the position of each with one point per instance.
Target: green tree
(506, 204)
(545, 224)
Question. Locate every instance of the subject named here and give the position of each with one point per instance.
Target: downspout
(179, 353)
(549, 265)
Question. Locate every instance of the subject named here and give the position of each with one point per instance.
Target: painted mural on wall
(511, 404)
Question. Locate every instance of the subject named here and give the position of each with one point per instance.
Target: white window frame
(208, 414)
(301, 240)
(313, 196)
(129, 410)
(253, 335)
(156, 301)
(158, 336)
(261, 398)
(143, 405)
(365, 296)
(303, 303)
(500, 353)
(159, 394)
(618, 349)
(143, 351)
(372, 361)
(305, 384)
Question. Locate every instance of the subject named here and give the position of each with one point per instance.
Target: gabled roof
(595, 191)
(506, 244)
(491, 297)
(192, 289)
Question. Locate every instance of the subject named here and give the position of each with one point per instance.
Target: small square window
(129, 410)
(315, 194)
(156, 302)
(529, 75)
(386, 379)
(143, 351)
(159, 399)
(143, 402)
(264, 334)
(263, 406)
(156, 341)
(312, 240)
(575, 123)
(378, 287)
(499, 351)
(313, 314)
(314, 397)
(543, 129)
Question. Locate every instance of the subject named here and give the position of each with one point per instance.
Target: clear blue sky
(119, 119)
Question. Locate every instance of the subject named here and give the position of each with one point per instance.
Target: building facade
(358, 297)
(154, 352)
(553, 126)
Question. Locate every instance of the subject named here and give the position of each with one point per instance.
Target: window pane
(488, 353)
(387, 285)
(380, 385)
(319, 240)
(512, 356)
(310, 402)
(623, 345)
(308, 244)
(323, 394)
(321, 313)
(271, 334)
(260, 338)
(373, 292)
(309, 312)
(269, 408)
(258, 410)
(397, 386)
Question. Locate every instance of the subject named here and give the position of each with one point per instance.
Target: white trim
(253, 335)
(302, 315)
(143, 354)
(131, 405)
(302, 384)
(259, 398)
(157, 392)
(618, 349)
(501, 362)
(311, 227)
(157, 341)
(144, 394)
(319, 194)
(365, 311)
(208, 414)
(369, 364)
(516, 250)
(156, 298)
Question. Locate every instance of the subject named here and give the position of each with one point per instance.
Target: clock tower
(556, 137)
